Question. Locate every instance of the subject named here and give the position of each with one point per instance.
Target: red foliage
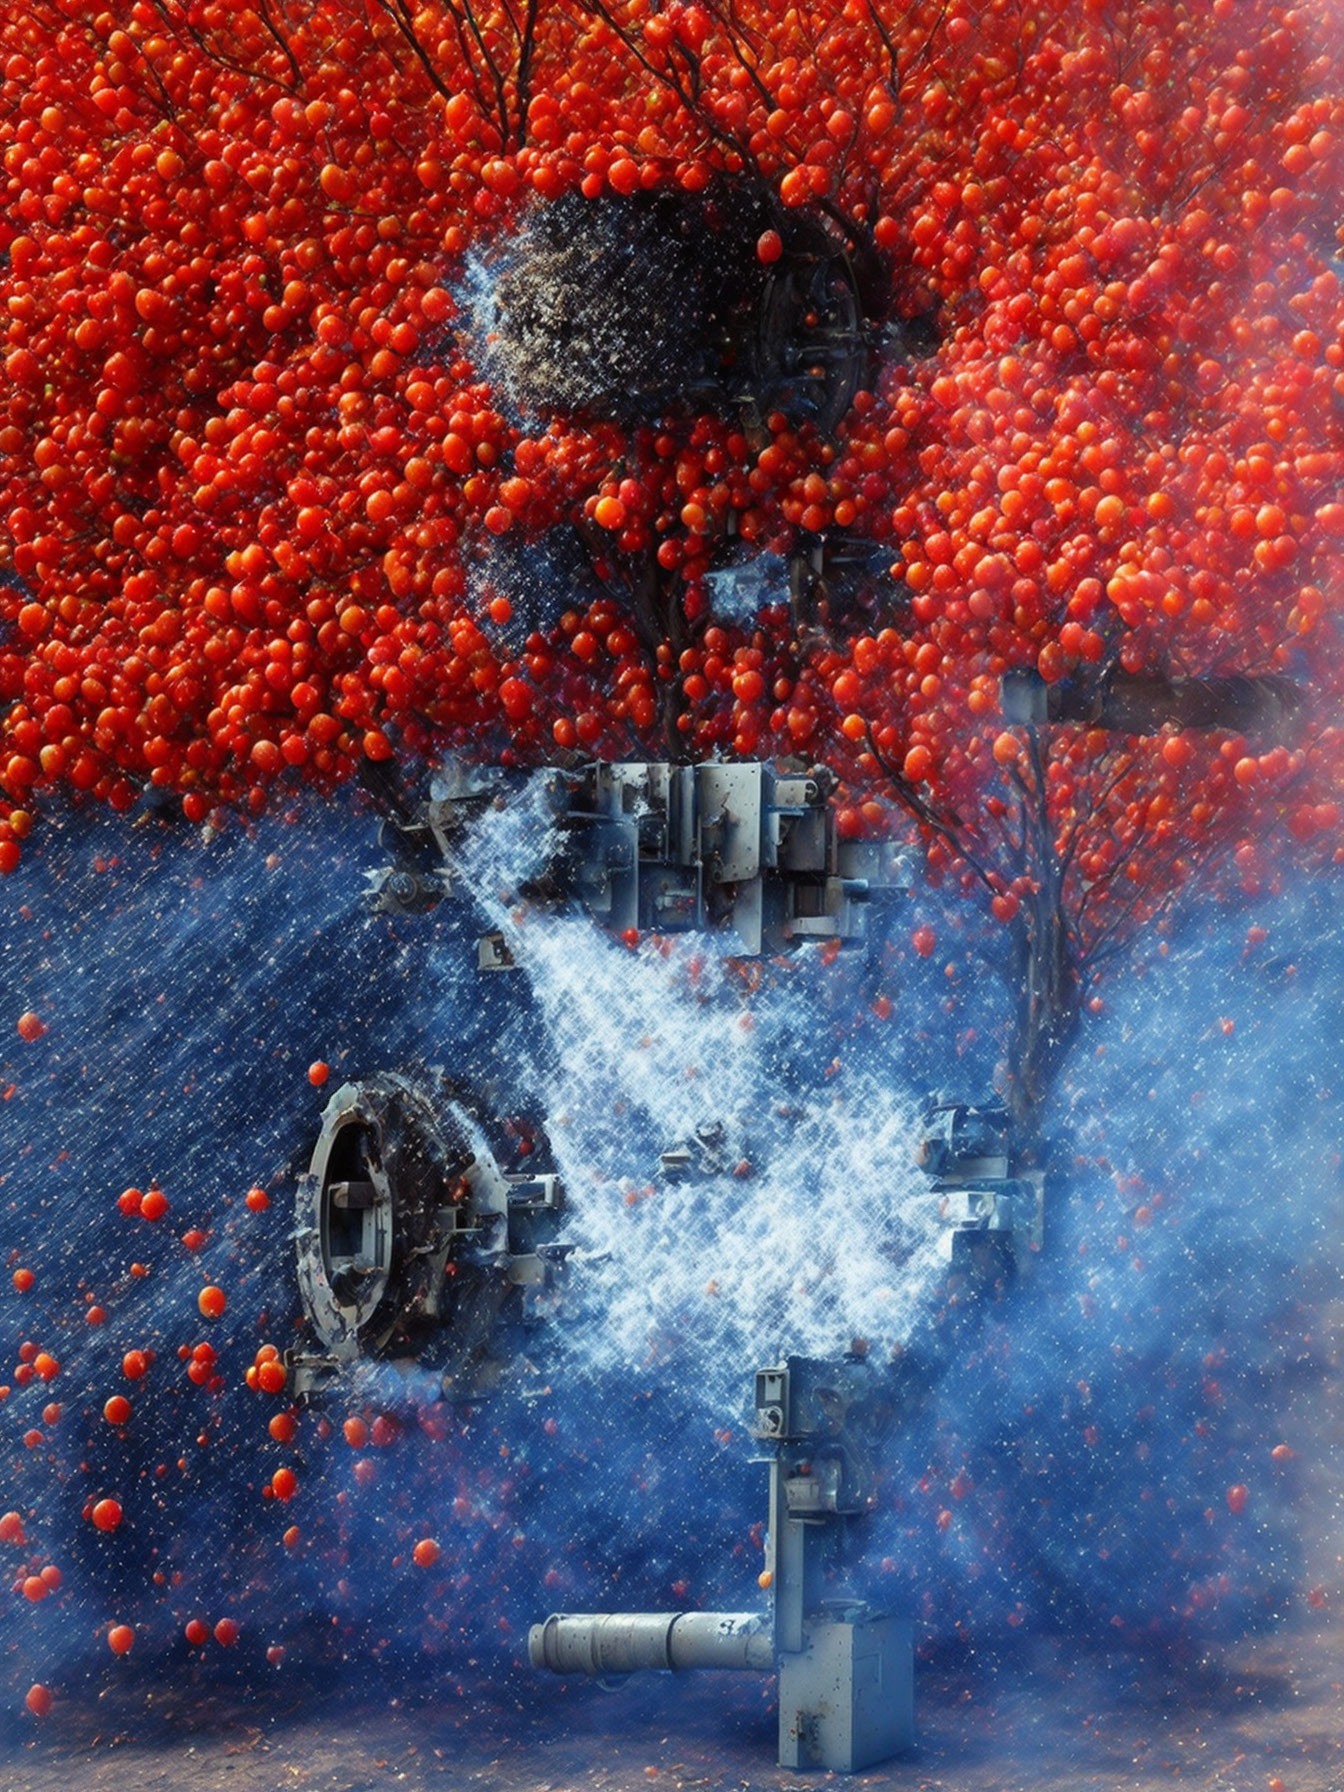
(248, 465)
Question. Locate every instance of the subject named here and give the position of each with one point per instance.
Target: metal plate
(730, 820)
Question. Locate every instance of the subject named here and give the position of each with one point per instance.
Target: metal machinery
(814, 348)
(415, 1246)
(846, 1672)
(993, 1212)
(1266, 705)
(412, 1243)
(836, 580)
(664, 848)
(846, 1676)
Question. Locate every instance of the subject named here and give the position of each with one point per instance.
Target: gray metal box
(846, 1701)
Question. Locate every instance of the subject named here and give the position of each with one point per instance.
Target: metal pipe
(624, 1642)
(1266, 705)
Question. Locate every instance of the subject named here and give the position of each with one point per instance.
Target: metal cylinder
(623, 1642)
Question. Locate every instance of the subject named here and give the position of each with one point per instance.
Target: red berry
(153, 1204)
(106, 1515)
(212, 1301)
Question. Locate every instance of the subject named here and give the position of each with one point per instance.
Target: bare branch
(523, 74)
(211, 52)
(1096, 807)
(947, 826)
(737, 42)
(496, 74)
(267, 18)
(893, 60)
(400, 15)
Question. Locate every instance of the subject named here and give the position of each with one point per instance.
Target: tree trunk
(658, 617)
(1049, 1008)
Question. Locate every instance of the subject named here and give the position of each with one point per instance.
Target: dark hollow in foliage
(629, 307)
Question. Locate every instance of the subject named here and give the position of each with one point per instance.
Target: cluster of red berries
(251, 468)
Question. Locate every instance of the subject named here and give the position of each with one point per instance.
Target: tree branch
(948, 827)
(399, 13)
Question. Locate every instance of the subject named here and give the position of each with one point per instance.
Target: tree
(1074, 855)
(1070, 272)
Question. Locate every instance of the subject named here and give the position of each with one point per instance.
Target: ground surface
(1263, 1715)
(1266, 1715)
(1251, 1719)
(1273, 1712)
